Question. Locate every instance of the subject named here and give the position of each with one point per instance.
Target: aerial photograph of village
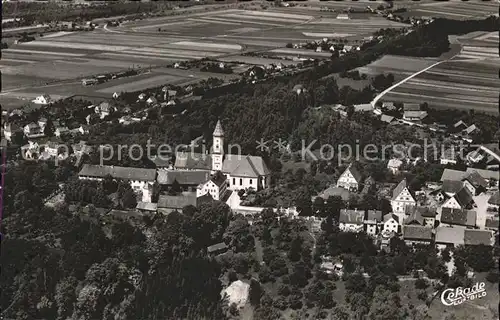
(249, 160)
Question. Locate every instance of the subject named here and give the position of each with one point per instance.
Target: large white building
(241, 171)
(402, 197)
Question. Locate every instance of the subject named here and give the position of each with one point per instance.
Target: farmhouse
(478, 237)
(216, 187)
(417, 234)
(372, 222)
(187, 180)
(168, 204)
(33, 130)
(43, 99)
(351, 220)
(402, 197)
(391, 223)
(387, 119)
(461, 200)
(448, 236)
(458, 217)
(414, 115)
(350, 179)
(141, 180)
(104, 109)
(393, 165)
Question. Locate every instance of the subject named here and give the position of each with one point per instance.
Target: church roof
(244, 166)
(193, 160)
(218, 132)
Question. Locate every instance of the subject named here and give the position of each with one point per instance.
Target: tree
(255, 292)
(129, 199)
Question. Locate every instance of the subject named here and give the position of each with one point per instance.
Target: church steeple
(218, 147)
(218, 132)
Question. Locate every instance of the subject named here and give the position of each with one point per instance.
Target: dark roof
(495, 199)
(486, 174)
(411, 107)
(176, 202)
(458, 216)
(492, 223)
(206, 198)
(218, 131)
(374, 215)
(218, 179)
(399, 188)
(351, 216)
(238, 164)
(476, 179)
(388, 216)
(477, 237)
(452, 186)
(414, 217)
(450, 235)
(125, 173)
(449, 174)
(192, 160)
(217, 247)
(417, 233)
(464, 197)
(183, 177)
(426, 212)
(245, 168)
(355, 173)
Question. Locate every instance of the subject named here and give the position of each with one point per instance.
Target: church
(238, 171)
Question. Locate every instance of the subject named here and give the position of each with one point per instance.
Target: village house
(147, 207)
(30, 151)
(415, 234)
(475, 183)
(402, 197)
(458, 218)
(494, 201)
(43, 99)
(478, 237)
(351, 220)
(492, 224)
(186, 180)
(116, 95)
(141, 180)
(298, 88)
(460, 200)
(393, 165)
(414, 115)
(151, 101)
(411, 107)
(141, 97)
(373, 222)
(449, 236)
(490, 176)
(216, 187)
(426, 216)
(60, 131)
(168, 203)
(350, 179)
(391, 223)
(217, 249)
(460, 125)
(104, 109)
(42, 123)
(387, 119)
(33, 130)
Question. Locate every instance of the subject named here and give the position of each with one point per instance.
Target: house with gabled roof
(458, 217)
(140, 179)
(460, 125)
(449, 156)
(492, 224)
(402, 197)
(33, 130)
(152, 100)
(387, 119)
(391, 223)
(373, 222)
(449, 236)
(351, 220)
(350, 179)
(168, 203)
(394, 164)
(478, 237)
(42, 99)
(415, 234)
(461, 200)
(475, 183)
(216, 187)
(425, 216)
(187, 179)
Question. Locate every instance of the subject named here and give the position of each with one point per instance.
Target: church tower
(217, 148)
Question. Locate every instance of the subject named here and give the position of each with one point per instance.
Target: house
(116, 95)
(216, 187)
(350, 179)
(81, 148)
(373, 222)
(411, 107)
(475, 156)
(478, 237)
(217, 249)
(351, 220)
(343, 16)
(146, 207)
(60, 131)
(488, 175)
(141, 180)
(414, 234)
(460, 200)
(458, 217)
(319, 49)
(448, 156)
(475, 183)
(391, 223)
(460, 125)
(141, 96)
(472, 129)
(52, 148)
(492, 224)
(451, 187)
(494, 200)
(30, 151)
(449, 236)
(387, 119)
(104, 109)
(402, 197)
(346, 49)
(298, 88)
(426, 216)
(43, 99)
(168, 204)
(414, 115)
(187, 179)
(389, 106)
(151, 100)
(42, 123)
(393, 165)
(449, 174)
(33, 130)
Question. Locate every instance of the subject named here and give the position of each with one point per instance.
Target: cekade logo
(454, 297)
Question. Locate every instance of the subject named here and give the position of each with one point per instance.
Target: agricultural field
(454, 9)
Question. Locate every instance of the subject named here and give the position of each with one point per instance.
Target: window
(234, 181)
(250, 181)
(241, 182)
